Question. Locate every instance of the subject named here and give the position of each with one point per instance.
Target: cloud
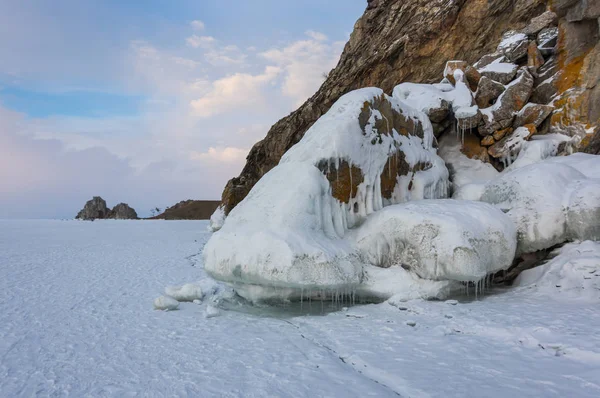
(305, 63)
(233, 92)
(196, 41)
(318, 36)
(220, 154)
(197, 25)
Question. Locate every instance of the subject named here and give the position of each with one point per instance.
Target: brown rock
(487, 141)
(473, 77)
(472, 148)
(532, 114)
(394, 41)
(498, 135)
(534, 57)
(511, 144)
(437, 115)
(343, 178)
(487, 92)
(584, 9)
(509, 103)
(540, 22)
(122, 211)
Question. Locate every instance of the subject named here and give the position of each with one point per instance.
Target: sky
(149, 102)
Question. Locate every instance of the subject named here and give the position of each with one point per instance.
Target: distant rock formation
(96, 209)
(122, 211)
(189, 210)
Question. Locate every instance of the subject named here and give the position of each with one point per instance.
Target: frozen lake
(76, 319)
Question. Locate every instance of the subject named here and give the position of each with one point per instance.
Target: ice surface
(76, 320)
(573, 273)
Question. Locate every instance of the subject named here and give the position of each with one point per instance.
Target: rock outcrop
(394, 41)
(122, 211)
(93, 209)
(96, 209)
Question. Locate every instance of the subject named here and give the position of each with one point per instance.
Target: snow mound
(573, 273)
(187, 292)
(211, 311)
(439, 240)
(424, 97)
(550, 203)
(166, 303)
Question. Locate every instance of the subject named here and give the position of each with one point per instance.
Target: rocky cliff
(397, 41)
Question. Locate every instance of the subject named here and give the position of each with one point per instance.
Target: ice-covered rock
(166, 303)
(532, 114)
(187, 292)
(426, 98)
(514, 45)
(289, 234)
(439, 240)
(497, 70)
(574, 273)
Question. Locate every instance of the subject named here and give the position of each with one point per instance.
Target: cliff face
(411, 40)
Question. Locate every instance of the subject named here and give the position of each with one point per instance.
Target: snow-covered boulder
(550, 202)
(573, 273)
(439, 239)
(166, 303)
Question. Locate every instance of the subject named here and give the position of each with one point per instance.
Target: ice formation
(166, 303)
(217, 219)
(187, 292)
(290, 234)
(439, 239)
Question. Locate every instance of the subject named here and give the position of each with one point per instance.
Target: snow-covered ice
(76, 319)
(574, 272)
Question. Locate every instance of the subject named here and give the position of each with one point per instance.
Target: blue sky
(149, 102)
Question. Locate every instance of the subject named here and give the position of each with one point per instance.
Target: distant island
(96, 208)
(189, 210)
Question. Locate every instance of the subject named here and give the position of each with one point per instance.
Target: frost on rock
(439, 240)
(187, 292)
(573, 273)
(550, 202)
(217, 219)
(368, 151)
(166, 303)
